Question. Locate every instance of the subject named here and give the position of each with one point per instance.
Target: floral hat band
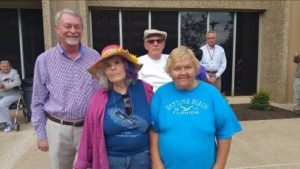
(113, 50)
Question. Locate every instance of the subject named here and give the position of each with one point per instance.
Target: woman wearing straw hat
(115, 132)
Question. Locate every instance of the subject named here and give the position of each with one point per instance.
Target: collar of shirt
(211, 48)
(79, 55)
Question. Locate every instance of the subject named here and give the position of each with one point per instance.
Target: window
(33, 38)
(193, 29)
(127, 27)
(105, 27)
(21, 38)
(134, 23)
(9, 33)
(246, 53)
(222, 23)
(166, 21)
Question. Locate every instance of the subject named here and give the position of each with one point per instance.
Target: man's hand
(43, 145)
(2, 86)
(212, 80)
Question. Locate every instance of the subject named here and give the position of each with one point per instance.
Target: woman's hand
(155, 156)
(158, 165)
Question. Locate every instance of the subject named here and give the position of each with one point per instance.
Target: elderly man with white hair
(9, 92)
(154, 62)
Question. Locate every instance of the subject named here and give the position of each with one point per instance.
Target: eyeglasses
(127, 104)
(152, 41)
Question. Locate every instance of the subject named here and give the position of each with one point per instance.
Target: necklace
(211, 55)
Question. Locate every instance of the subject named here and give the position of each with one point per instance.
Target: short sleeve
(155, 104)
(227, 123)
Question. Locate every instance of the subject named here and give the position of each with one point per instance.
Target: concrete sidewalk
(267, 144)
(18, 150)
(263, 144)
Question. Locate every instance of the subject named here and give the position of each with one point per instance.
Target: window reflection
(193, 29)
(134, 24)
(246, 54)
(33, 38)
(9, 37)
(166, 21)
(222, 23)
(105, 27)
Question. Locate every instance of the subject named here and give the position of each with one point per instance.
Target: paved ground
(263, 144)
(18, 150)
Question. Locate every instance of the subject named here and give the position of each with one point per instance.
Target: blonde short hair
(181, 52)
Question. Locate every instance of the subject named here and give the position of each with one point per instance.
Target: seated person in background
(9, 92)
(201, 73)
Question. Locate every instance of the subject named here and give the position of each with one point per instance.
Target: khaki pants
(219, 81)
(63, 143)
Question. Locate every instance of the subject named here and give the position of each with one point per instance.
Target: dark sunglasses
(151, 41)
(127, 104)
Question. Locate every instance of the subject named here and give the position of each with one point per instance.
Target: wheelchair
(19, 105)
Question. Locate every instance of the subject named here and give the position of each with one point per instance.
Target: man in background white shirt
(9, 92)
(153, 70)
(213, 59)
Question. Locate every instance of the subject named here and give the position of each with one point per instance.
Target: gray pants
(297, 94)
(5, 102)
(63, 143)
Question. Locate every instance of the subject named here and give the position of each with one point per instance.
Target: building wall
(273, 50)
(20, 4)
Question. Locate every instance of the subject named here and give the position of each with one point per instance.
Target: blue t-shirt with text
(188, 122)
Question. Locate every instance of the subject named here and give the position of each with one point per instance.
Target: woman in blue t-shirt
(115, 133)
(192, 124)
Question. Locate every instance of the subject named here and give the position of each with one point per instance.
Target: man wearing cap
(213, 59)
(154, 62)
(62, 88)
